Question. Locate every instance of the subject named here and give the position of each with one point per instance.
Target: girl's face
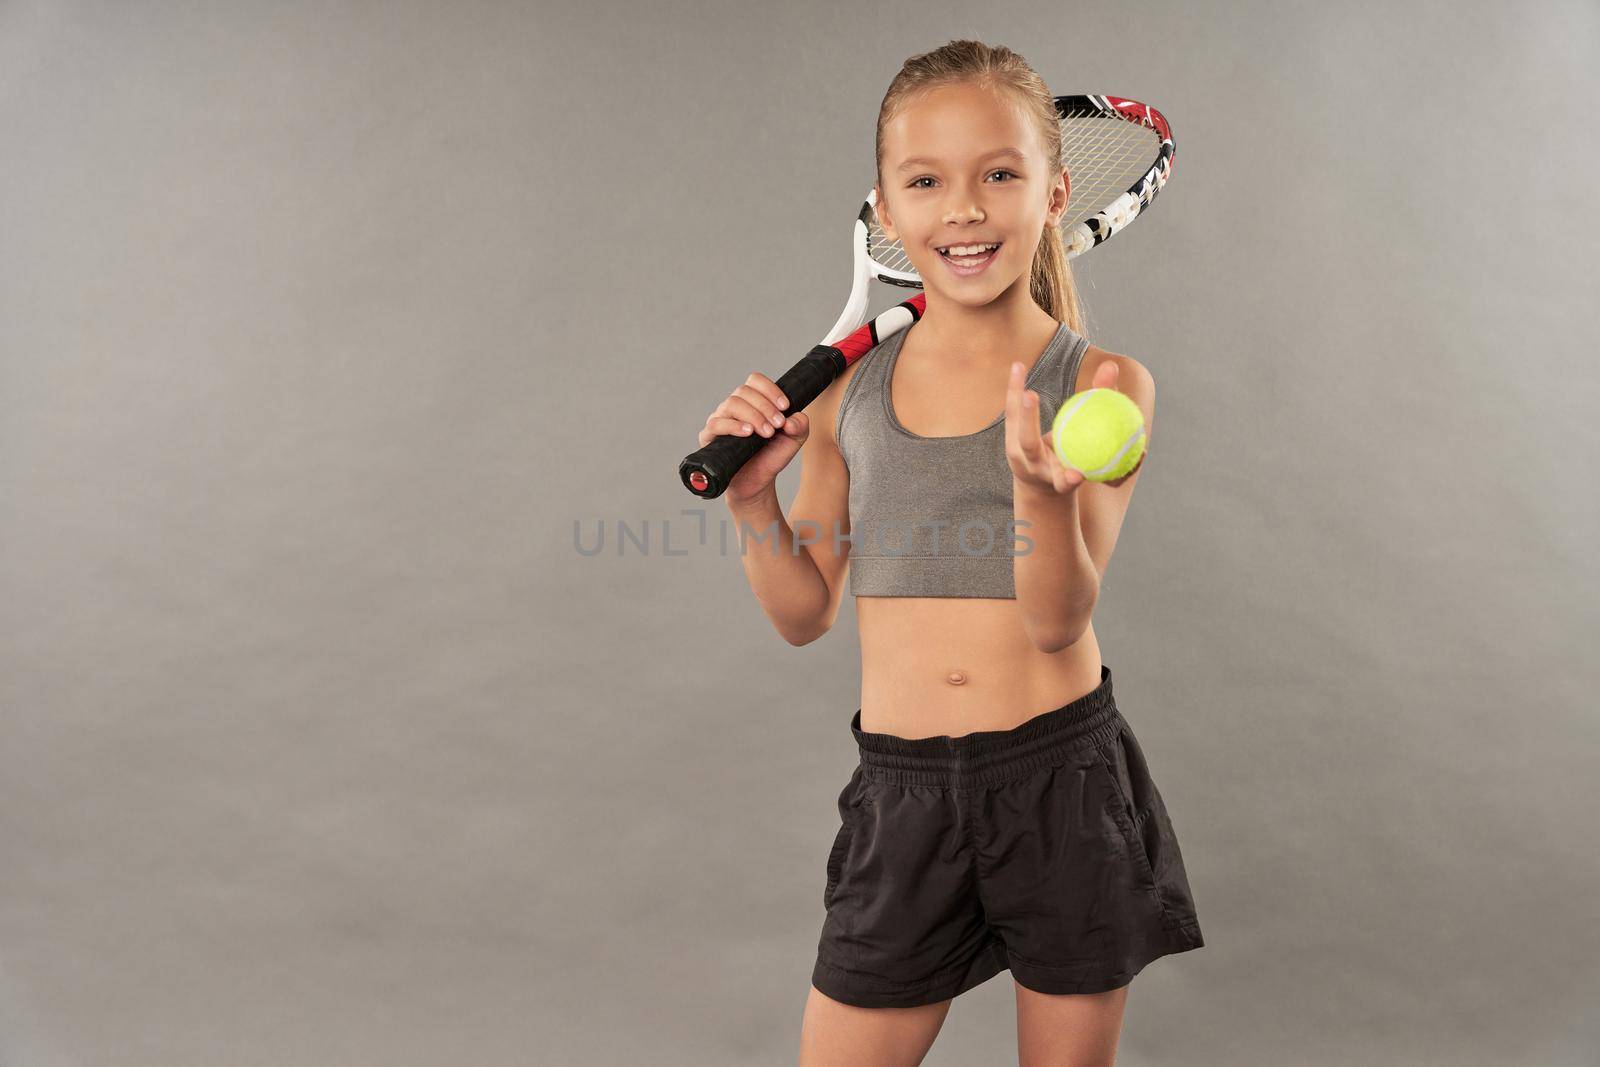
(963, 166)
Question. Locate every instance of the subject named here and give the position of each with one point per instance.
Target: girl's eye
(925, 178)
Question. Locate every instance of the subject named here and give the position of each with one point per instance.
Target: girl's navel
(956, 677)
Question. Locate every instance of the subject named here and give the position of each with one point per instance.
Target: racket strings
(886, 250)
(1104, 156)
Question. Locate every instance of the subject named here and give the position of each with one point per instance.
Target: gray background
(322, 324)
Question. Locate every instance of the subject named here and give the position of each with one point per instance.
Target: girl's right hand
(756, 407)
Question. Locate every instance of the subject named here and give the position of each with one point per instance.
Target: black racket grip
(717, 463)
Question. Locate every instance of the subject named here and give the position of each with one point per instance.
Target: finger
(768, 388)
(1062, 475)
(1105, 375)
(762, 403)
(756, 414)
(1013, 412)
(720, 426)
(1047, 461)
(1049, 456)
(725, 426)
(1030, 420)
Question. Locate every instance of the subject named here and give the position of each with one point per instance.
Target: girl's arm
(800, 587)
(1056, 581)
(1074, 524)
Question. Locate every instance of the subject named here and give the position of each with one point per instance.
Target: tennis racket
(1118, 154)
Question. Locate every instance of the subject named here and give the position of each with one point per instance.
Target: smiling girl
(1003, 815)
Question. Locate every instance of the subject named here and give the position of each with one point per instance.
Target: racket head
(1118, 155)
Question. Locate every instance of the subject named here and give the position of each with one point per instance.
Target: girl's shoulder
(1128, 368)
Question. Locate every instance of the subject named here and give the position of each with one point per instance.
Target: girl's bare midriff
(953, 665)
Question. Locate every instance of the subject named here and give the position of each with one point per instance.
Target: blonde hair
(962, 62)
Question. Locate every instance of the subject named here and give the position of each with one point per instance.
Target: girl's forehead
(955, 121)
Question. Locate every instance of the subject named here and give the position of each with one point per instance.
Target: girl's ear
(883, 213)
(1060, 197)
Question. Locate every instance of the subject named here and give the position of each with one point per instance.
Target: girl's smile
(965, 266)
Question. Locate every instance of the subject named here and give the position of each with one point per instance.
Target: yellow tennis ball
(1099, 433)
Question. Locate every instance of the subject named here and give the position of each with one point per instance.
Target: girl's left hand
(1032, 454)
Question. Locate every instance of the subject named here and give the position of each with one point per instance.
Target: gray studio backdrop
(322, 325)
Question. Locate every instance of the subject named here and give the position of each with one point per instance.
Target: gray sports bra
(932, 516)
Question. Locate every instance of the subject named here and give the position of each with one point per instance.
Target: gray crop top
(932, 516)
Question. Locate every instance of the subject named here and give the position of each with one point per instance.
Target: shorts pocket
(851, 800)
(841, 845)
(1147, 829)
(1128, 822)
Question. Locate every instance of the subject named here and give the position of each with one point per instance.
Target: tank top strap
(867, 382)
(1058, 373)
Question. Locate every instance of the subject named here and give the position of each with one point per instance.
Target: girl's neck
(996, 330)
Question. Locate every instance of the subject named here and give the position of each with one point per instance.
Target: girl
(1002, 815)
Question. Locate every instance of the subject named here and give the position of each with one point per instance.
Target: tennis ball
(1099, 433)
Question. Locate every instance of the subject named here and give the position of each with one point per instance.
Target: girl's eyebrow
(1012, 153)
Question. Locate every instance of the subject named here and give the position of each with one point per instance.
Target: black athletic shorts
(1045, 849)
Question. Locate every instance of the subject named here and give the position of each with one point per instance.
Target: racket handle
(707, 472)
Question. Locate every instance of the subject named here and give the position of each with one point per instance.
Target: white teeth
(968, 250)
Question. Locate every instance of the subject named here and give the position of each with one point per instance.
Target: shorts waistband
(986, 756)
